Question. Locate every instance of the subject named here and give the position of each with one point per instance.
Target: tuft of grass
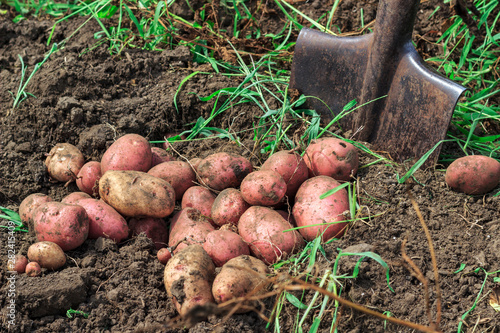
(13, 218)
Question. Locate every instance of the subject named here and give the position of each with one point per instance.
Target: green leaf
(295, 301)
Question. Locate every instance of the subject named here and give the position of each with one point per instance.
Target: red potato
(263, 188)
(224, 245)
(188, 227)
(200, 198)
(474, 174)
(47, 254)
(228, 206)
(287, 216)
(164, 255)
(240, 277)
(331, 157)
(87, 179)
(178, 173)
(223, 170)
(129, 152)
(74, 197)
(154, 228)
(263, 229)
(137, 194)
(160, 155)
(292, 168)
(188, 278)
(309, 209)
(64, 224)
(64, 162)
(104, 220)
(33, 269)
(30, 204)
(17, 264)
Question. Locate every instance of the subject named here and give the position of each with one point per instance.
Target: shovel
(413, 103)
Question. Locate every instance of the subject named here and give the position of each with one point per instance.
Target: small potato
(263, 188)
(30, 204)
(129, 152)
(241, 277)
(188, 227)
(160, 155)
(47, 254)
(224, 245)
(18, 264)
(263, 229)
(74, 197)
(154, 228)
(188, 278)
(331, 157)
(309, 209)
(474, 174)
(292, 168)
(200, 198)
(228, 206)
(64, 162)
(178, 173)
(64, 224)
(223, 170)
(137, 194)
(87, 179)
(33, 269)
(164, 255)
(104, 220)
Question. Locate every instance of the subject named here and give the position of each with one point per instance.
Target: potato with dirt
(17, 264)
(322, 215)
(74, 197)
(87, 179)
(292, 168)
(64, 224)
(187, 227)
(223, 170)
(155, 229)
(264, 230)
(200, 198)
(30, 204)
(331, 157)
(473, 174)
(188, 278)
(137, 194)
(160, 155)
(129, 152)
(178, 173)
(224, 245)
(64, 162)
(47, 254)
(240, 277)
(228, 207)
(263, 188)
(33, 269)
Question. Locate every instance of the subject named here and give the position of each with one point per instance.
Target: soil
(88, 98)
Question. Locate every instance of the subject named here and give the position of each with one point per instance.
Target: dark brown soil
(89, 98)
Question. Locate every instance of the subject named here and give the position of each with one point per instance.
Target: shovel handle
(393, 30)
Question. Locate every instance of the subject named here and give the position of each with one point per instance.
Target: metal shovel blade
(418, 105)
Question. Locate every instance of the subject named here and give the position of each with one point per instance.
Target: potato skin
(129, 152)
(200, 198)
(64, 162)
(223, 170)
(263, 188)
(33, 269)
(18, 264)
(262, 228)
(160, 155)
(188, 227)
(87, 179)
(331, 157)
(156, 229)
(137, 194)
(164, 255)
(310, 209)
(47, 254)
(224, 245)
(239, 277)
(74, 197)
(474, 174)
(64, 224)
(178, 173)
(188, 278)
(292, 168)
(228, 207)
(30, 204)
(104, 220)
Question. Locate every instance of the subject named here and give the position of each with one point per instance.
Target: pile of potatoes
(233, 215)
